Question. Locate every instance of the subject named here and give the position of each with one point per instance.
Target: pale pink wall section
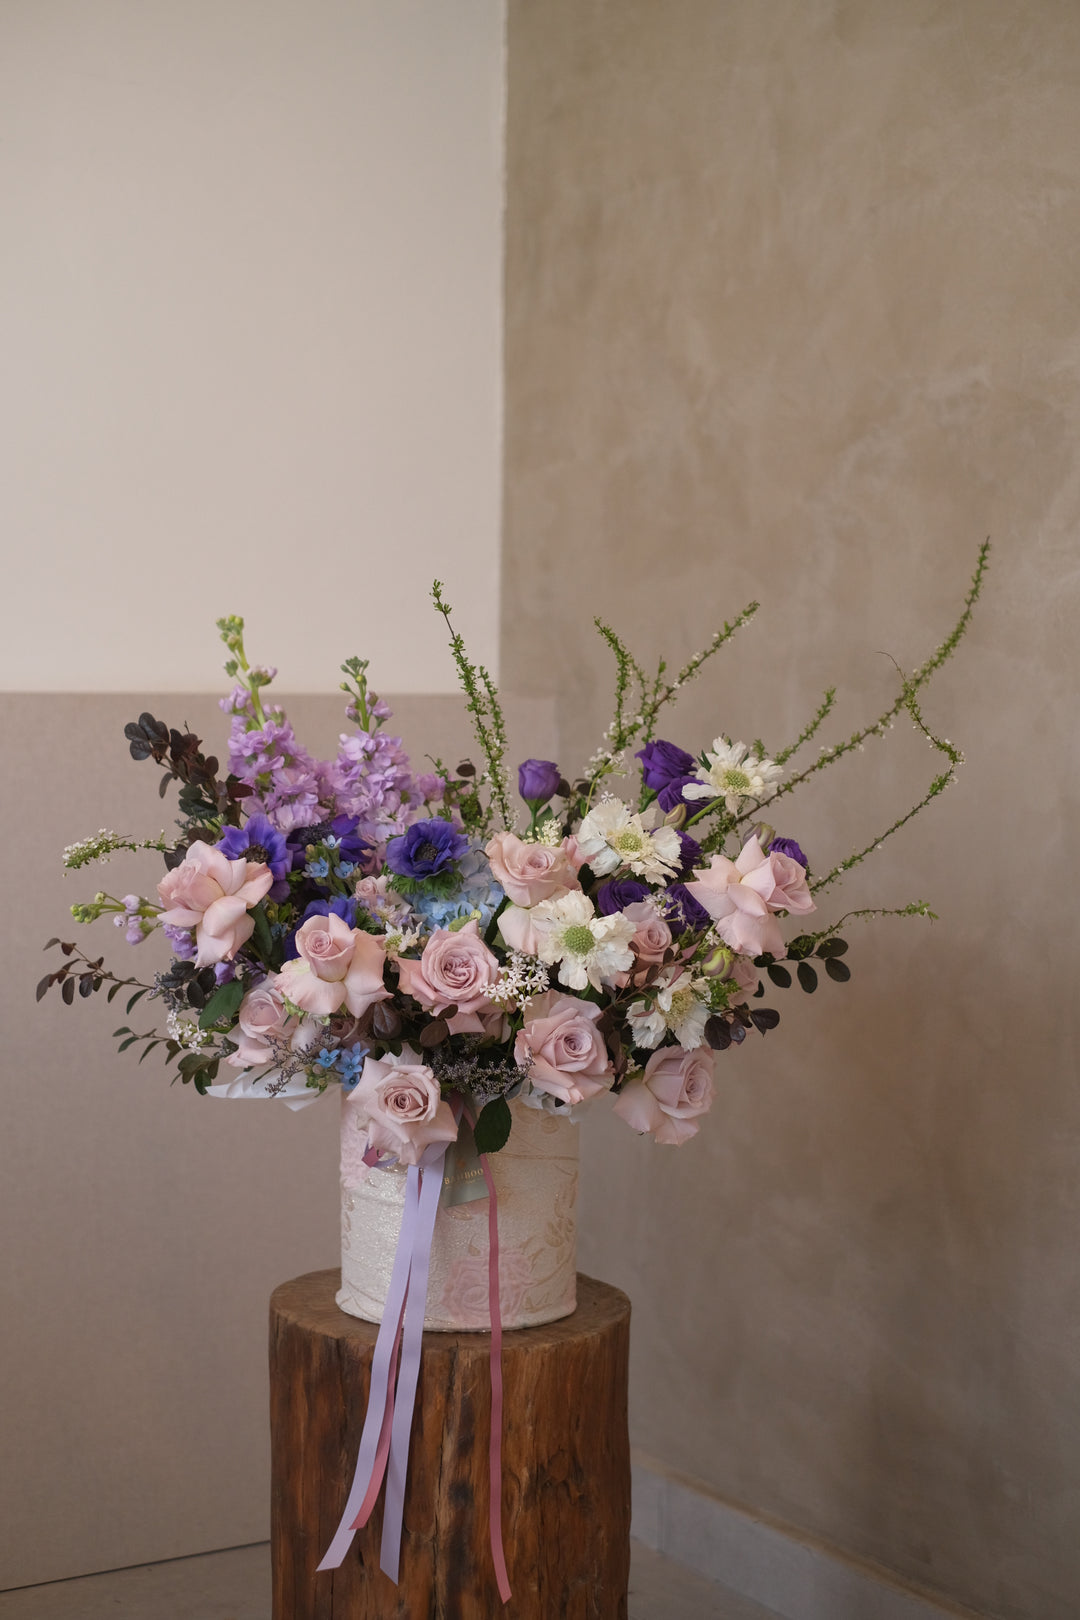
(792, 316)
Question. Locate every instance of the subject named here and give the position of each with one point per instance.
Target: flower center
(255, 852)
(736, 781)
(681, 1003)
(427, 852)
(578, 940)
(627, 841)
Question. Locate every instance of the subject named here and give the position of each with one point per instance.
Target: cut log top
(307, 1303)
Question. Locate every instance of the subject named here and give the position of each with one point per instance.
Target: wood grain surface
(566, 1466)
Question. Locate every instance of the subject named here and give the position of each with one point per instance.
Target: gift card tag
(463, 1174)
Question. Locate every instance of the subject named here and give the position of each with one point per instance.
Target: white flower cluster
(520, 978)
(185, 1033)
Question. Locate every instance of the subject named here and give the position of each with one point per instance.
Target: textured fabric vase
(536, 1177)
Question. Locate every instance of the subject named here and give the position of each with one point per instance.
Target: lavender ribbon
(406, 1296)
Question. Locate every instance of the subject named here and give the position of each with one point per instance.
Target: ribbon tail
(495, 1440)
(411, 1345)
(381, 1398)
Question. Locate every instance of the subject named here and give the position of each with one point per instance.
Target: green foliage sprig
(482, 702)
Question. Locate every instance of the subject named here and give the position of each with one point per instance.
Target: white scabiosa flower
(612, 836)
(733, 773)
(588, 948)
(680, 1006)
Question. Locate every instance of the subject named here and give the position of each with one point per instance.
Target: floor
(235, 1585)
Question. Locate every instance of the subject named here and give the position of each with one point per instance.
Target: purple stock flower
(259, 840)
(538, 780)
(271, 761)
(788, 846)
(612, 897)
(371, 780)
(182, 941)
(429, 847)
(662, 763)
(683, 910)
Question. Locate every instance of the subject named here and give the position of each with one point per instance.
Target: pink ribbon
(384, 1443)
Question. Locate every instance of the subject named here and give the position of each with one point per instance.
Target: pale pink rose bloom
(652, 938)
(519, 931)
(454, 970)
(214, 895)
(530, 873)
(400, 1097)
(730, 891)
(669, 1099)
(780, 881)
(262, 1015)
(569, 1059)
(338, 967)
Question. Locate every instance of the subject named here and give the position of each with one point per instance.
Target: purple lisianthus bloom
(662, 762)
(429, 847)
(670, 795)
(538, 780)
(612, 897)
(788, 847)
(259, 840)
(691, 854)
(343, 906)
(683, 910)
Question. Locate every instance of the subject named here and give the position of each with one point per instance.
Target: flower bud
(763, 833)
(676, 817)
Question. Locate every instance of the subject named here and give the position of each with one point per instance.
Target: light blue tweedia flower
(318, 868)
(351, 1064)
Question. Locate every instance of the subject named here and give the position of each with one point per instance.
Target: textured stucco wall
(792, 314)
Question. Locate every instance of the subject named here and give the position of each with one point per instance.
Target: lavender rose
(563, 1048)
(455, 970)
(529, 873)
(538, 781)
(401, 1099)
(672, 1094)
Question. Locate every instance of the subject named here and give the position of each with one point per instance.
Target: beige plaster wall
(250, 325)
(793, 315)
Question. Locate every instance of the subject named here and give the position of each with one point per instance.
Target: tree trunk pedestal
(566, 1466)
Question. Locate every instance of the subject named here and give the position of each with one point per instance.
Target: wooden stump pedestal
(566, 1466)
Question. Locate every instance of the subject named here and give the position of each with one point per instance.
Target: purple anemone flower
(259, 840)
(428, 848)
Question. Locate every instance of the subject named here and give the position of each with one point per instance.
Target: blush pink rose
(530, 873)
(652, 939)
(262, 1020)
(454, 970)
(338, 967)
(562, 1047)
(671, 1096)
(401, 1099)
(214, 896)
(742, 895)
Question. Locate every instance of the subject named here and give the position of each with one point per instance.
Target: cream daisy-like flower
(588, 948)
(612, 836)
(680, 1006)
(733, 773)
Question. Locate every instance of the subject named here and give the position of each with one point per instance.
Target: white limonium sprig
(587, 948)
(681, 1005)
(612, 836)
(733, 773)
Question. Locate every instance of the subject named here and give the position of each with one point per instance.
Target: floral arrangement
(413, 937)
